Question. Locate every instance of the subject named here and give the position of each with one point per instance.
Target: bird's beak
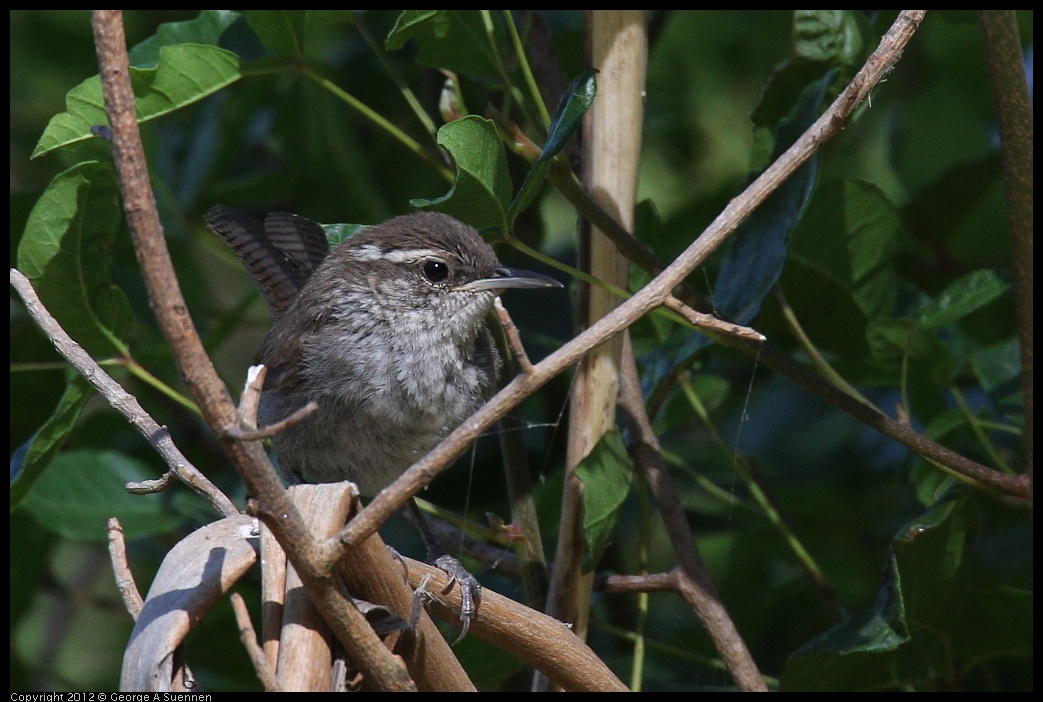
(504, 278)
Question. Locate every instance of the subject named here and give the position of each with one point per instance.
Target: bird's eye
(436, 271)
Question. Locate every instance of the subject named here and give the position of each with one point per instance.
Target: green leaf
(606, 473)
(456, 40)
(32, 457)
(482, 191)
(832, 36)
(573, 105)
(849, 235)
(283, 32)
(205, 29)
(82, 489)
(965, 295)
(892, 340)
(930, 621)
(65, 252)
(186, 74)
(755, 254)
(339, 233)
(997, 365)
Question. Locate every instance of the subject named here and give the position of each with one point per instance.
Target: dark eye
(435, 271)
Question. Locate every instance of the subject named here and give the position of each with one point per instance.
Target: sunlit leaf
(482, 191)
(186, 74)
(827, 35)
(65, 252)
(573, 105)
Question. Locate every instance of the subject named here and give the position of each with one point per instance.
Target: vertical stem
(612, 145)
(1014, 113)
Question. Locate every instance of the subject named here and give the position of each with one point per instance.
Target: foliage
(846, 560)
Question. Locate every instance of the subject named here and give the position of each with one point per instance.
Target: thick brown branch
(382, 670)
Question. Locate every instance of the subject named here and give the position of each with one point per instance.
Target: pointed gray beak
(504, 278)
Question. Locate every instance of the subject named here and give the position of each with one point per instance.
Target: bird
(387, 333)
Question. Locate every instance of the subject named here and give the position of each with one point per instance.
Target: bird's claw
(470, 591)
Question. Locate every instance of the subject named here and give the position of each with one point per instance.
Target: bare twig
(655, 293)
(296, 417)
(513, 338)
(120, 399)
(708, 322)
(634, 584)
(249, 638)
(250, 400)
(692, 579)
(121, 567)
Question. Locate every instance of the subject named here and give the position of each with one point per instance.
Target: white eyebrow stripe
(371, 252)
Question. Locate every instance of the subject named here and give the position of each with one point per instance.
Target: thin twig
(121, 567)
(249, 638)
(513, 337)
(879, 64)
(151, 487)
(711, 323)
(117, 397)
(266, 432)
(693, 580)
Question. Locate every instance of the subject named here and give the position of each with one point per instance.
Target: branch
(121, 400)
(1014, 112)
(652, 295)
(1011, 488)
(540, 641)
(693, 582)
(249, 639)
(383, 671)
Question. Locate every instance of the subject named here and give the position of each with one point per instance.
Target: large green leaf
(756, 252)
(849, 235)
(840, 272)
(606, 473)
(930, 621)
(83, 489)
(65, 253)
(32, 457)
(186, 73)
(481, 194)
(456, 40)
